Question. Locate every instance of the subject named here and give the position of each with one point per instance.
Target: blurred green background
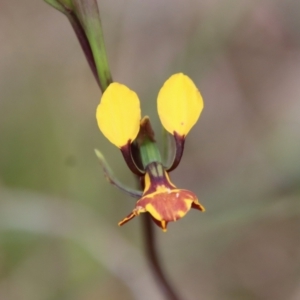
(59, 237)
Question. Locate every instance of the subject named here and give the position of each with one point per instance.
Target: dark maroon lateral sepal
(127, 154)
(179, 147)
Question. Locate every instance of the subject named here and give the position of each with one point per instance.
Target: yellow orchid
(119, 118)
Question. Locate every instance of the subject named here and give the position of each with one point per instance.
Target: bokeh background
(59, 237)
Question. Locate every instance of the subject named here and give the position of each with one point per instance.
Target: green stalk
(85, 19)
(88, 14)
(62, 5)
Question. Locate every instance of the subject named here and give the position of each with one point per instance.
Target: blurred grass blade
(88, 13)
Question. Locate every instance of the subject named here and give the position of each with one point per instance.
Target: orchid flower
(179, 105)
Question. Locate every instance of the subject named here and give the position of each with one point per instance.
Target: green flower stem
(88, 14)
(58, 5)
(84, 43)
(85, 20)
(149, 152)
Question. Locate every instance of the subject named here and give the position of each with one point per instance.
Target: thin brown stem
(154, 261)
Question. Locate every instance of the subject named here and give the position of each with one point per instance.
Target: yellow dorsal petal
(118, 114)
(179, 104)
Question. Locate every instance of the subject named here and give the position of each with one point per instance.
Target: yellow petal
(118, 114)
(179, 104)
